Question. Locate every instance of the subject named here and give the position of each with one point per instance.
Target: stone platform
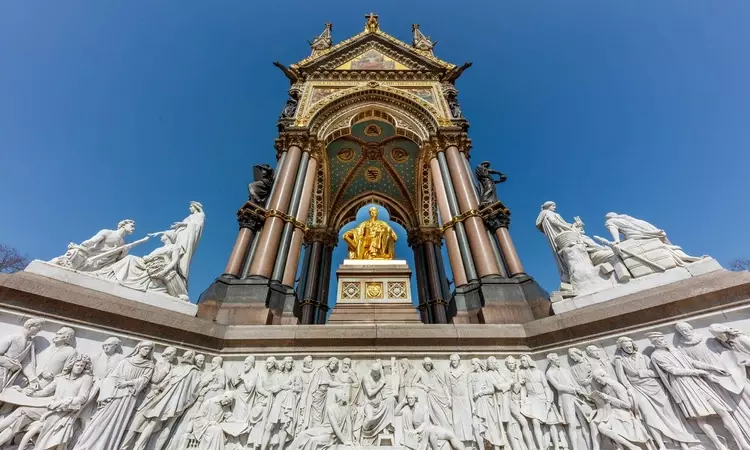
(374, 291)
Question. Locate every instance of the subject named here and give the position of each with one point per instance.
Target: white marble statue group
(164, 270)
(694, 392)
(586, 266)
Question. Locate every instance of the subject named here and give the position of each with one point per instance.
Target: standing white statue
(105, 248)
(688, 382)
(117, 399)
(17, 352)
(486, 423)
(574, 411)
(614, 414)
(636, 229)
(458, 389)
(635, 372)
(577, 272)
(189, 232)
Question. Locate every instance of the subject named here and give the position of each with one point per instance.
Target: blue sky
(113, 110)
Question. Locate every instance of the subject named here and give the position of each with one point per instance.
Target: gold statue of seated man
(372, 239)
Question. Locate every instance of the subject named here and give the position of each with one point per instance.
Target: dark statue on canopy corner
(260, 189)
(487, 182)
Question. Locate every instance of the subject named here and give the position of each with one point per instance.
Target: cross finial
(372, 23)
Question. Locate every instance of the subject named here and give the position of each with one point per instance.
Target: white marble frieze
(667, 387)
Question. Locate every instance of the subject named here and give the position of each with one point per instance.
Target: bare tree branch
(11, 259)
(738, 265)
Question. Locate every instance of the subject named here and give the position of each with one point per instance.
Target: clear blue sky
(113, 110)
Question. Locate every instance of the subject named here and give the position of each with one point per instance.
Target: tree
(11, 259)
(738, 265)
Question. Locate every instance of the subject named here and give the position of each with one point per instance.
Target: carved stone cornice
(327, 236)
(419, 236)
(251, 216)
(298, 136)
(496, 216)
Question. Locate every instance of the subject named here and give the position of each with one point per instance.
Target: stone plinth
(377, 291)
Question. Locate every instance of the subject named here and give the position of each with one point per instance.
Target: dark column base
(514, 300)
(281, 303)
(466, 304)
(232, 301)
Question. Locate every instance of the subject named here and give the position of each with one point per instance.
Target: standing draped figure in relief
(574, 411)
(380, 403)
(458, 390)
(433, 384)
(178, 391)
(635, 372)
(407, 373)
(54, 424)
(324, 378)
(732, 375)
(502, 387)
(17, 352)
(419, 432)
(101, 366)
(200, 362)
(614, 415)
(51, 361)
(263, 400)
(244, 386)
(308, 371)
(538, 402)
(582, 369)
(335, 428)
(687, 380)
(285, 388)
(485, 420)
(350, 382)
(519, 424)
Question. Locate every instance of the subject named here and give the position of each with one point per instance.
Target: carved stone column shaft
(310, 292)
(303, 211)
(294, 203)
(234, 265)
(454, 252)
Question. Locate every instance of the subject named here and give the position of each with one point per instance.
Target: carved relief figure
(433, 384)
(104, 249)
(159, 413)
(67, 393)
(538, 401)
(613, 413)
(419, 431)
(336, 428)
(458, 390)
(51, 361)
(372, 239)
(732, 338)
(502, 387)
(574, 411)
(260, 189)
(582, 368)
(307, 376)
(244, 386)
(519, 424)
(17, 352)
(380, 403)
(599, 360)
(485, 420)
(263, 400)
(285, 388)
(200, 362)
(688, 382)
(323, 379)
(635, 372)
(117, 399)
(211, 426)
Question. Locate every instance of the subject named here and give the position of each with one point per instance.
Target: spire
(322, 42)
(420, 41)
(373, 24)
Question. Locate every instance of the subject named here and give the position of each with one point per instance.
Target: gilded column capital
(251, 216)
(453, 136)
(327, 236)
(299, 137)
(419, 236)
(496, 216)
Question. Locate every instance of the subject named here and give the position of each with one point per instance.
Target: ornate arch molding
(328, 117)
(348, 211)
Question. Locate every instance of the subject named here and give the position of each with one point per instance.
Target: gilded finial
(323, 41)
(372, 25)
(420, 41)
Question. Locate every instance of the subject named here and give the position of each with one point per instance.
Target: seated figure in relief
(335, 429)
(419, 432)
(372, 239)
